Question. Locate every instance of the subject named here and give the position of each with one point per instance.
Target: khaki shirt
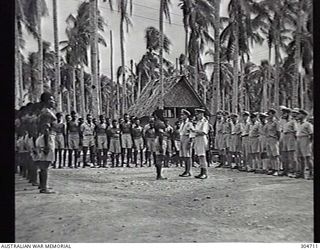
(290, 127)
(236, 128)
(254, 129)
(202, 126)
(304, 129)
(185, 128)
(245, 128)
(272, 128)
(87, 129)
(219, 127)
(227, 127)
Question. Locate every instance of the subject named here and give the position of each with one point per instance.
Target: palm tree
(57, 84)
(164, 10)
(34, 10)
(186, 6)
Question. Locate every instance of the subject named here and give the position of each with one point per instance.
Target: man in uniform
(235, 145)
(73, 139)
(66, 140)
(87, 133)
(201, 131)
(186, 142)
(150, 136)
(273, 136)
(245, 139)
(288, 143)
(177, 143)
(59, 129)
(304, 146)
(115, 146)
(167, 140)
(126, 140)
(102, 142)
(219, 137)
(136, 133)
(226, 130)
(263, 165)
(254, 143)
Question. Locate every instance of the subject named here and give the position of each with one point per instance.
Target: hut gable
(182, 95)
(178, 92)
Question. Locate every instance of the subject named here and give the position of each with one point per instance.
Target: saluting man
(87, 132)
(201, 131)
(102, 142)
(186, 142)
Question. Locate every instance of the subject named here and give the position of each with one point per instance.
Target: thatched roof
(178, 92)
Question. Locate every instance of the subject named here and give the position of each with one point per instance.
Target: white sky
(135, 44)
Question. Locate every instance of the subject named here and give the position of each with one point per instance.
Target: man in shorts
(235, 145)
(126, 140)
(218, 143)
(273, 136)
(73, 137)
(304, 146)
(150, 136)
(226, 129)
(254, 143)
(87, 133)
(59, 130)
(167, 140)
(201, 131)
(138, 146)
(264, 161)
(102, 142)
(115, 146)
(245, 140)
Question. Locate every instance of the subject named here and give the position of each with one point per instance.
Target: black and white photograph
(163, 121)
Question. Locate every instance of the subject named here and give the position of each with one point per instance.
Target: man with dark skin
(115, 146)
(136, 133)
(176, 143)
(159, 127)
(66, 143)
(150, 136)
(167, 136)
(102, 142)
(126, 140)
(73, 139)
(87, 133)
(59, 129)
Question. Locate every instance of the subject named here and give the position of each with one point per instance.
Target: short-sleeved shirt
(114, 132)
(202, 126)
(289, 127)
(236, 128)
(168, 131)
(254, 129)
(227, 127)
(87, 129)
(136, 131)
(273, 127)
(245, 128)
(282, 123)
(185, 128)
(304, 129)
(126, 127)
(263, 129)
(101, 128)
(219, 126)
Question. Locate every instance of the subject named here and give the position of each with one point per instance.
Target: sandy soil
(129, 205)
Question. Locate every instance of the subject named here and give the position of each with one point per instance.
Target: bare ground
(129, 205)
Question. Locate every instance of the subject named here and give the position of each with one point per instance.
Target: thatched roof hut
(178, 94)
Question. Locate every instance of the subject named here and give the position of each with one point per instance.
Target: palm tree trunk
(57, 92)
(139, 85)
(74, 98)
(216, 67)
(297, 58)
(161, 51)
(277, 72)
(242, 93)
(111, 57)
(94, 61)
(223, 104)
(82, 94)
(235, 71)
(68, 102)
(186, 39)
(122, 20)
(40, 50)
(18, 69)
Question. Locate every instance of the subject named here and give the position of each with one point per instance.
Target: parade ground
(129, 205)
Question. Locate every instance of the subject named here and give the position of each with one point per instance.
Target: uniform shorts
(167, 146)
(226, 140)
(88, 141)
(304, 146)
(59, 141)
(102, 142)
(126, 141)
(262, 144)
(185, 147)
(138, 143)
(115, 146)
(201, 145)
(272, 147)
(245, 145)
(254, 145)
(151, 144)
(218, 143)
(288, 142)
(177, 145)
(74, 141)
(235, 145)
